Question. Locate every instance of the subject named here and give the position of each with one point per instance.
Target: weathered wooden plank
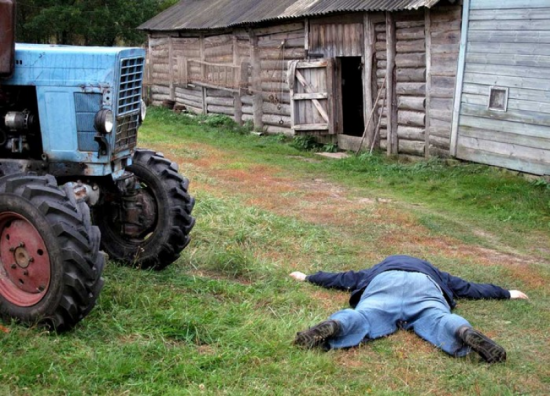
(528, 117)
(409, 33)
(411, 103)
(297, 26)
(510, 25)
(213, 109)
(228, 102)
(276, 120)
(408, 46)
(510, 150)
(277, 129)
(277, 43)
(411, 147)
(510, 14)
(509, 36)
(504, 70)
(368, 71)
(410, 133)
(429, 71)
(276, 108)
(312, 95)
(391, 89)
(256, 80)
(437, 152)
(508, 81)
(160, 89)
(440, 128)
(310, 127)
(504, 161)
(409, 24)
(439, 142)
(413, 89)
(503, 137)
(502, 5)
(408, 75)
(411, 118)
(504, 126)
(410, 60)
(513, 60)
(532, 50)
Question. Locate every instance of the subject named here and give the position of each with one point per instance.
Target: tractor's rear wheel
(150, 226)
(50, 264)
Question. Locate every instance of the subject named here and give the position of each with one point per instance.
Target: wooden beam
(257, 102)
(369, 43)
(237, 103)
(315, 95)
(171, 69)
(460, 77)
(203, 76)
(310, 127)
(391, 84)
(428, 38)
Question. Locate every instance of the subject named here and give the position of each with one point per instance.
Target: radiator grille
(129, 95)
(129, 103)
(126, 132)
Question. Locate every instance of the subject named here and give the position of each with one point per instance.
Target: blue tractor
(73, 183)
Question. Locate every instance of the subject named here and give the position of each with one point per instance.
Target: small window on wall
(498, 99)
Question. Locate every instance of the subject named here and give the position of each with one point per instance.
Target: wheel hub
(22, 257)
(25, 270)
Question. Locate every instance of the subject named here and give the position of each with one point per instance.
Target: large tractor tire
(165, 219)
(50, 272)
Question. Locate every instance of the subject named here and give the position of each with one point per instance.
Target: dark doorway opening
(352, 96)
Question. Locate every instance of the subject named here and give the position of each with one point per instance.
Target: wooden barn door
(311, 97)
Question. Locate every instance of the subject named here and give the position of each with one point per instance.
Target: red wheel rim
(25, 270)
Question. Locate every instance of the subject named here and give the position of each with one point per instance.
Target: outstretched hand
(299, 276)
(515, 294)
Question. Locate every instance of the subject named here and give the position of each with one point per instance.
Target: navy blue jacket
(452, 286)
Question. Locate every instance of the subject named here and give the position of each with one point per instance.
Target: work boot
(318, 334)
(489, 350)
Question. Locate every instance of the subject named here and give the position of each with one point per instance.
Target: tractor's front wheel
(148, 225)
(50, 264)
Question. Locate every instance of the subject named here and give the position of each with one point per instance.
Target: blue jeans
(410, 300)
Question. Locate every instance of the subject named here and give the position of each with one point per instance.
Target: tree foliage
(87, 22)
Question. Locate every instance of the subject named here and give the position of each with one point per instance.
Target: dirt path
(321, 202)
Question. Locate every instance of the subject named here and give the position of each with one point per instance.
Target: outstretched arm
(465, 289)
(299, 276)
(515, 294)
(331, 280)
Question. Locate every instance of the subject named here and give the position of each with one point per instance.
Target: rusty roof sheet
(216, 14)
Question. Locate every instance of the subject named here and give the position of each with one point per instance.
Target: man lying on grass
(403, 292)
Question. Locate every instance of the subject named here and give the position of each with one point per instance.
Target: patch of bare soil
(321, 202)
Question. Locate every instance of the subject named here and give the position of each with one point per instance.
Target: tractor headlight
(104, 121)
(143, 111)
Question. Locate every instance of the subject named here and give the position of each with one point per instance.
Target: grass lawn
(222, 318)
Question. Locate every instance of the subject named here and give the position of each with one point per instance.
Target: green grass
(221, 319)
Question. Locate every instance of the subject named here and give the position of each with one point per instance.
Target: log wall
(276, 47)
(380, 69)
(444, 38)
(417, 51)
(410, 77)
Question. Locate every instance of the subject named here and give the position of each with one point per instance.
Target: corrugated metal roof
(215, 14)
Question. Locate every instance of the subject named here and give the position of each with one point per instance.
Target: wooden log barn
(466, 79)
